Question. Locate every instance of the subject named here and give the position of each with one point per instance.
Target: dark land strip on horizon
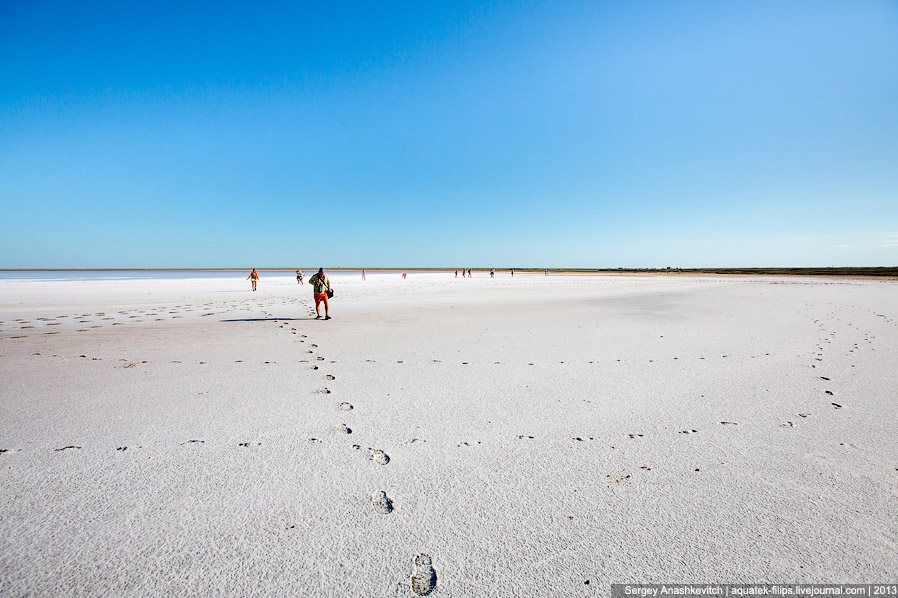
(880, 271)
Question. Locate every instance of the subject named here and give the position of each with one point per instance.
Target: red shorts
(320, 297)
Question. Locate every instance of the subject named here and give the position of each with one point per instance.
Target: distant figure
(321, 285)
(546, 272)
(299, 277)
(492, 272)
(456, 273)
(512, 272)
(404, 275)
(253, 276)
(363, 274)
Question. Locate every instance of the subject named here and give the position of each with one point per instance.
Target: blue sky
(581, 134)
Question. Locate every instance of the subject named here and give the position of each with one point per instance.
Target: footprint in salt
(329, 377)
(424, 579)
(343, 429)
(381, 503)
(346, 406)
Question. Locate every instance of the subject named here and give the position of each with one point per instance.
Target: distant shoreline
(834, 271)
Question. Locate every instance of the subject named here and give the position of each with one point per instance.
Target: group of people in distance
(492, 273)
(321, 289)
(321, 285)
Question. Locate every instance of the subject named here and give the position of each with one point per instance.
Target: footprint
(836, 405)
(635, 435)
(381, 503)
(313, 367)
(324, 391)
(729, 423)
(329, 377)
(313, 440)
(380, 457)
(345, 406)
(424, 579)
(193, 441)
(249, 444)
(683, 432)
(62, 448)
(343, 429)
(523, 437)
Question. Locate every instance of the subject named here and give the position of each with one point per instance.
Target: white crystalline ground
(529, 434)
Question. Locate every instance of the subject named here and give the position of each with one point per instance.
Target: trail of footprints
(424, 579)
(85, 322)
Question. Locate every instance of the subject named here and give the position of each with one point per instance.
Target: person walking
(321, 285)
(512, 272)
(363, 274)
(253, 276)
(299, 277)
(492, 273)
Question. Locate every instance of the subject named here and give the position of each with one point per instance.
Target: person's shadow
(268, 319)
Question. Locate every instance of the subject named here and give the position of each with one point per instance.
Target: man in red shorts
(321, 284)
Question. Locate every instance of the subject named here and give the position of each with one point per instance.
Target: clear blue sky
(587, 134)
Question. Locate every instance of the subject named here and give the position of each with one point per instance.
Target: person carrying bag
(322, 291)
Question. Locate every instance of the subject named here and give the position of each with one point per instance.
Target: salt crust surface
(172, 437)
